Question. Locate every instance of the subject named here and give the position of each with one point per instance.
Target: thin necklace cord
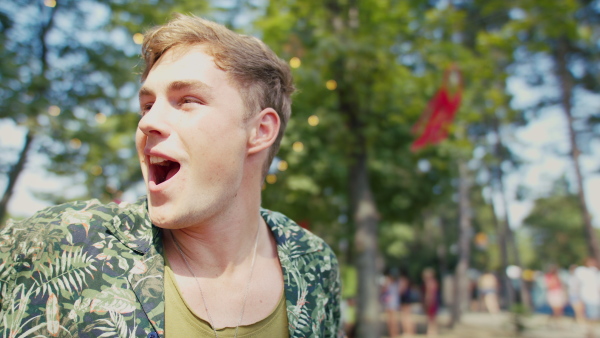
(200, 288)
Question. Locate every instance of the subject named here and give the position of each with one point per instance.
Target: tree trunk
(13, 175)
(507, 288)
(442, 249)
(523, 291)
(510, 237)
(461, 282)
(365, 217)
(17, 168)
(566, 87)
(362, 203)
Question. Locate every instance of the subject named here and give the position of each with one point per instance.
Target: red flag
(433, 125)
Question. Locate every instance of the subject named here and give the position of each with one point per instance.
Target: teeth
(157, 160)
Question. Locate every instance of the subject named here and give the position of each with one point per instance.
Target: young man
(197, 257)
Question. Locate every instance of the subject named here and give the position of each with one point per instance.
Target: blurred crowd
(572, 291)
(399, 296)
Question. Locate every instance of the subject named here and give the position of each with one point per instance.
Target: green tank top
(180, 321)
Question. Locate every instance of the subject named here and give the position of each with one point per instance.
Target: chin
(158, 218)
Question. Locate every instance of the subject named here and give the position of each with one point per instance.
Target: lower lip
(154, 188)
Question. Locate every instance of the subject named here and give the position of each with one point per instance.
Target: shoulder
(304, 256)
(56, 218)
(69, 223)
(294, 240)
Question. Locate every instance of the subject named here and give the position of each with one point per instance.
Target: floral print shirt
(86, 269)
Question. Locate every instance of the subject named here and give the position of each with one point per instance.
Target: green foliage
(367, 71)
(395, 239)
(556, 229)
(518, 315)
(362, 59)
(70, 76)
(387, 62)
(545, 26)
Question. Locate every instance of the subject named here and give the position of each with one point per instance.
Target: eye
(145, 107)
(188, 100)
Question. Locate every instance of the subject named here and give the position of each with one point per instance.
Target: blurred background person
(474, 304)
(488, 291)
(589, 282)
(430, 300)
(407, 298)
(573, 290)
(390, 298)
(555, 293)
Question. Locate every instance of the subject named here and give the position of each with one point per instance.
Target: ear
(265, 127)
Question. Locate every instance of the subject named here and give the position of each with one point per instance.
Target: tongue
(174, 168)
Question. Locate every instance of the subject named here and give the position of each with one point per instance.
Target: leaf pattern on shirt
(89, 269)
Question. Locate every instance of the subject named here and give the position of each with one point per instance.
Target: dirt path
(484, 325)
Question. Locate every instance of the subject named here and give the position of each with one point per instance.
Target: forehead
(185, 63)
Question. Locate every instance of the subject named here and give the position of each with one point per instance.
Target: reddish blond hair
(263, 79)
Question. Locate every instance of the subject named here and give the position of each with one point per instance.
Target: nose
(154, 122)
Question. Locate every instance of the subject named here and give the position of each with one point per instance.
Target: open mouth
(162, 169)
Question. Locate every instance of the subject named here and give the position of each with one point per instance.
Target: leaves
(52, 315)
(115, 300)
(555, 231)
(70, 75)
(67, 273)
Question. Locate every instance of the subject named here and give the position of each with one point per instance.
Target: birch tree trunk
(13, 175)
(461, 282)
(566, 87)
(510, 237)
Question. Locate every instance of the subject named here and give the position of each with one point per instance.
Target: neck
(223, 242)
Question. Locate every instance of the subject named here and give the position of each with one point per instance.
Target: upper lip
(150, 152)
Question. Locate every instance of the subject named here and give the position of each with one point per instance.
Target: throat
(165, 171)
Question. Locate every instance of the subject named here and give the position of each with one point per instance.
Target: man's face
(191, 139)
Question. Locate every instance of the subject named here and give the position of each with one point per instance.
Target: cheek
(140, 141)
(140, 144)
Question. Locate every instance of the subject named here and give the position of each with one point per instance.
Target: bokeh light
(50, 3)
(295, 62)
(96, 170)
(313, 120)
(54, 110)
(331, 84)
(513, 272)
(138, 38)
(298, 146)
(75, 143)
(528, 275)
(282, 165)
(481, 239)
(271, 178)
(100, 118)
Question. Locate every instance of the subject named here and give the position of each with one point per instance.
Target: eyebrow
(179, 85)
